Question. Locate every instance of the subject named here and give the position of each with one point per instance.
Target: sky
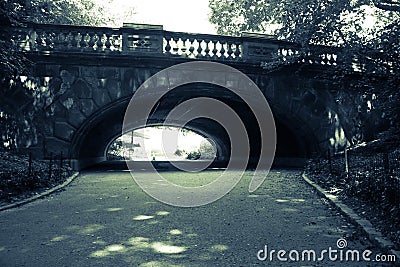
(174, 15)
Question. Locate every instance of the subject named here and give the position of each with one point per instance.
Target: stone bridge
(91, 74)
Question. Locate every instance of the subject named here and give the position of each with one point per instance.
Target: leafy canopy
(367, 33)
(22, 100)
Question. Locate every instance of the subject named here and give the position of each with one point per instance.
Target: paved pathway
(104, 219)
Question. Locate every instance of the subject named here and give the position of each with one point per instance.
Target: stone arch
(300, 134)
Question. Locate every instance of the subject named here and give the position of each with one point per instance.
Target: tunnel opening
(162, 143)
(294, 141)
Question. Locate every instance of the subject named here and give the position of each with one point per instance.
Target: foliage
(179, 152)
(23, 98)
(372, 183)
(301, 21)
(367, 35)
(121, 149)
(393, 5)
(115, 151)
(16, 179)
(194, 155)
(70, 12)
(205, 151)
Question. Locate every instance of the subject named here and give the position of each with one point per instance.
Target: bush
(194, 155)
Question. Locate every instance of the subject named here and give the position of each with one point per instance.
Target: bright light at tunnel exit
(159, 143)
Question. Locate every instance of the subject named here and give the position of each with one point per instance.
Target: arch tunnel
(295, 142)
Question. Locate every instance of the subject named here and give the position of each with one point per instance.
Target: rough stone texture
(63, 130)
(75, 118)
(87, 95)
(101, 96)
(55, 146)
(87, 106)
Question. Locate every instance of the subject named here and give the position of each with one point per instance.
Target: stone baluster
(108, 42)
(91, 41)
(215, 50)
(29, 38)
(230, 50)
(117, 42)
(58, 40)
(237, 52)
(330, 58)
(49, 40)
(167, 47)
(284, 54)
(38, 41)
(305, 57)
(99, 42)
(309, 57)
(199, 48)
(176, 46)
(326, 59)
(184, 47)
(44, 40)
(41, 41)
(65, 41)
(32, 40)
(207, 49)
(191, 48)
(322, 59)
(82, 42)
(222, 50)
(72, 40)
(334, 59)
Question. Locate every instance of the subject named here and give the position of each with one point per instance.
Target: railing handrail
(202, 35)
(128, 40)
(32, 25)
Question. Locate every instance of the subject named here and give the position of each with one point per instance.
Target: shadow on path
(105, 219)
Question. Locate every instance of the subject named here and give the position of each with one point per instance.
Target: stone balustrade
(154, 41)
(62, 38)
(202, 46)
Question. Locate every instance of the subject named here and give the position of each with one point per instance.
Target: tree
(364, 33)
(194, 155)
(207, 150)
(20, 110)
(388, 5)
(116, 150)
(179, 152)
(70, 12)
(301, 21)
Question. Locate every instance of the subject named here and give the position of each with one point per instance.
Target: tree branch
(387, 5)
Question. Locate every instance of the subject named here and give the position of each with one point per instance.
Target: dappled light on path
(104, 219)
(142, 217)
